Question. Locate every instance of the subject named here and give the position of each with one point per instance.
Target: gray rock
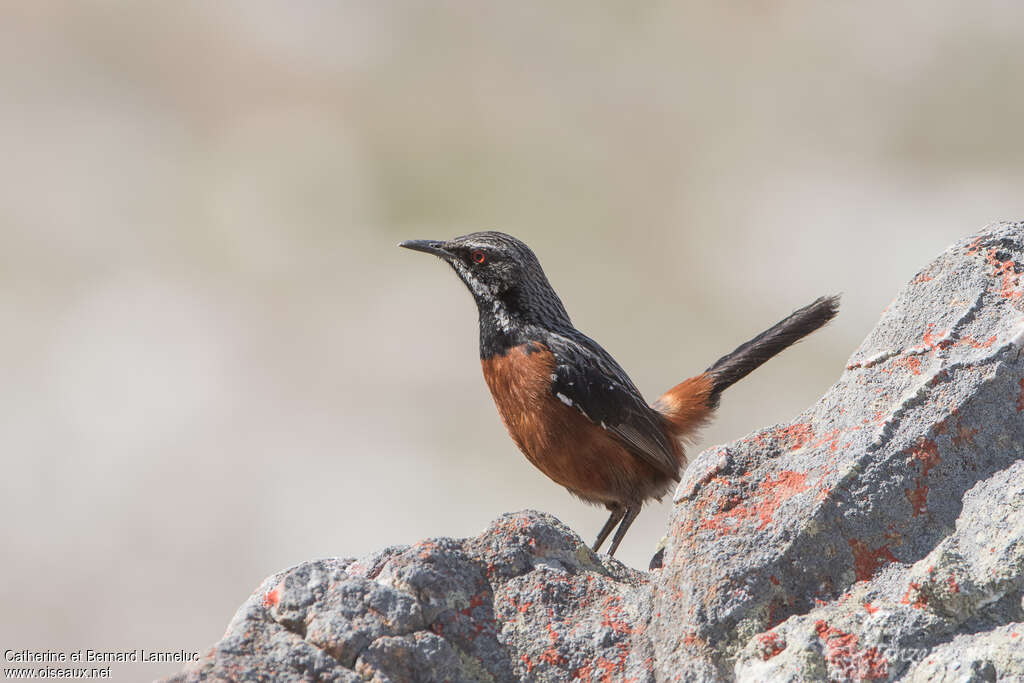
(525, 599)
(878, 536)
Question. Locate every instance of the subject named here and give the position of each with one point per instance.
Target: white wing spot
(564, 399)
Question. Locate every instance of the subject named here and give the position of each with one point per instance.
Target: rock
(878, 536)
(524, 599)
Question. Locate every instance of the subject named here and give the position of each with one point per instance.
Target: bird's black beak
(429, 246)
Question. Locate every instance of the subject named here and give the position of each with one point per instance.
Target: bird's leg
(631, 512)
(617, 512)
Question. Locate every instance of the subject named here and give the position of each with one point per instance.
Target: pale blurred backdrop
(215, 361)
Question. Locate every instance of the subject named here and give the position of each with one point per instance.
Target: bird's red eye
(479, 256)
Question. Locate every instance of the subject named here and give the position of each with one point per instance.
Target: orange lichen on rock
(927, 451)
(920, 599)
(770, 644)
(867, 561)
(1006, 269)
(843, 653)
(918, 497)
(761, 506)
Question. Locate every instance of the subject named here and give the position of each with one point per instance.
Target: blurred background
(216, 364)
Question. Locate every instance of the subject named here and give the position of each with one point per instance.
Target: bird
(567, 404)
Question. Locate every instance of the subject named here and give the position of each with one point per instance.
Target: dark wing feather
(589, 379)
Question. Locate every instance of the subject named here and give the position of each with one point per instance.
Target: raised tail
(689, 404)
(747, 357)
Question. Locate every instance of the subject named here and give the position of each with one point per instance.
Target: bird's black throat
(517, 317)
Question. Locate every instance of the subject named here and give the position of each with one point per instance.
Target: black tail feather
(733, 367)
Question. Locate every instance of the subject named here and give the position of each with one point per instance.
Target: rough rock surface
(878, 536)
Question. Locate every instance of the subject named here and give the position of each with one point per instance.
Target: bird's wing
(587, 378)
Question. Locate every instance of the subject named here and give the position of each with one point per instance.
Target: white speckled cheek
(475, 286)
(478, 287)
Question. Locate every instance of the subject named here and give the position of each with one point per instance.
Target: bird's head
(500, 271)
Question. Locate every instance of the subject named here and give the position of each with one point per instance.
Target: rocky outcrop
(878, 536)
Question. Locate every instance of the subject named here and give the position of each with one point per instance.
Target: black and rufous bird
(571, 409)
